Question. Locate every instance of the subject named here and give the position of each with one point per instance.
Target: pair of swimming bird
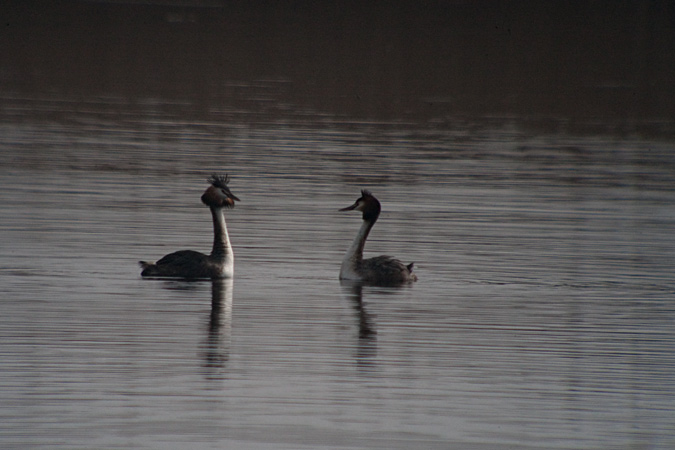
(381, 270)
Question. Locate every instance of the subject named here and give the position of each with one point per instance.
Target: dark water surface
(543, 317)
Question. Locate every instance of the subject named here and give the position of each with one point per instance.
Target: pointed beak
(349, 208)
(230, 195)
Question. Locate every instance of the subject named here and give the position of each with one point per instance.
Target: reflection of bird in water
(367, 347)
(355, 291)
(192, 264)
(217, 346)
(383, 270)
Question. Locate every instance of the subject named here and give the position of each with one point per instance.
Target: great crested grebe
(383, 270)
(192, 264)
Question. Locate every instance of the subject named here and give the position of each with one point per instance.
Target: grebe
(191, 264)
(382, 270)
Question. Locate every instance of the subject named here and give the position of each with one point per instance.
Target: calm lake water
(543, 316)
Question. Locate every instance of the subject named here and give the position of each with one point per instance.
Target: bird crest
(219, 181)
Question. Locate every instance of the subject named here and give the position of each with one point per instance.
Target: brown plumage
(194, 265)
(380, 270)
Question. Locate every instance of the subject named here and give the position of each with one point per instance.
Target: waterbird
(380, 270)
(195, 265)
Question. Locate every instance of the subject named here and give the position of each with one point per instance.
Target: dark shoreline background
(597, 66)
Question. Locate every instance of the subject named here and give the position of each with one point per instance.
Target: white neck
(354, 256)
(222, 249)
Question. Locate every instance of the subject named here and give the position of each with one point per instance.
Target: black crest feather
(219, 181)
(366, 193)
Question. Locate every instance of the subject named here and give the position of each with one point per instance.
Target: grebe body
(194, 265)
(380, 270)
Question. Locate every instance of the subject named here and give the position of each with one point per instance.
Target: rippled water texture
(543, 317)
